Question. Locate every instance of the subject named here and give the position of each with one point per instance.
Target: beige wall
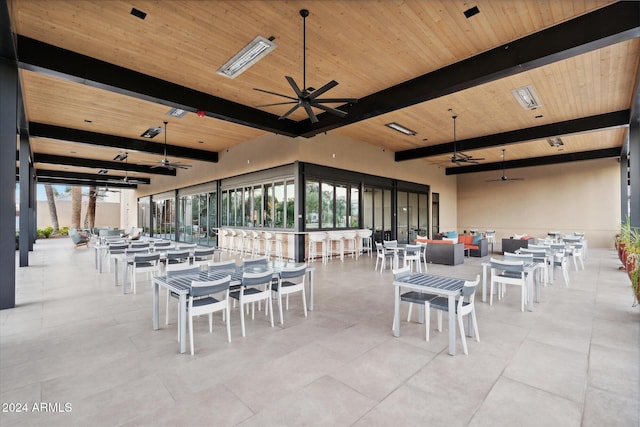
(578, 196)
(107, 214)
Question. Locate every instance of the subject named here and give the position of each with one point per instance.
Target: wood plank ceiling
(94, 77)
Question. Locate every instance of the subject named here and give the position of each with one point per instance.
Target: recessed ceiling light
(102, 172)
(88, 121)
(471, 12)
(176, 112)
(151, 132)
(248, 55)
(121, 157)
(200, 142)
(73, 152)
(138, 13)
(555, 142)
(397, 127)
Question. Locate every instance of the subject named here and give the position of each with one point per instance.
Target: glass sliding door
(327, 207)
(435, 214)
(164, 219)
(403, 214)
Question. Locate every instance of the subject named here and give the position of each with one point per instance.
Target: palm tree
(51, 201)
(76, 206)
(90, 216)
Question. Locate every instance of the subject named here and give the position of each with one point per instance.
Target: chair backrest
(257, 279)
(203, 252)
(535, 253)
(178, 255)
(182, 268)
(140, 244)
(390, 243)
(294, 274)
(517, 266)
(186, 245)
(137, 250)
(317, 236)
(365, 232)
(229, 265)
(255, 262)
(402, 273)
(203, 288)
(162, 244)
(469, 288)
(412, 250)
(509, 256)
(146, 257)
(118, 248)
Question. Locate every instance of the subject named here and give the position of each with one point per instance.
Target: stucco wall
(579, 196)
(107, 214)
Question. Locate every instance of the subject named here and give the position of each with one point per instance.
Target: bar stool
(365, 240)
(349, 243)
(314, 240)
(267, 237)
(278, 239)
(255, 242)
(337, 238)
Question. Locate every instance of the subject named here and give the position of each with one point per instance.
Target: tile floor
(76, 344)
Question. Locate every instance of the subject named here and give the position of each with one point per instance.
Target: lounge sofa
(478, 247)
(444, 251)
(513, 244)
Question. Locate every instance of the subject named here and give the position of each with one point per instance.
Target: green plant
(64, 231)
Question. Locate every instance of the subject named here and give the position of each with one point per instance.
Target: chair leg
(427, 319)
(242, 318)
(475, 324)
(409, 313)
(491, 292)
(228, 321)
(270, 310)
(304, 302)
(463, 338)
(166, 313)
(280, 308)
(191, 332)
(439, 320)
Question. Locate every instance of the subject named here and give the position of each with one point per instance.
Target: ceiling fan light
(257, 49)
(398, 127)
(527, 97)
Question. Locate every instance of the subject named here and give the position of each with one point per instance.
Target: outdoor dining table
(396, 249)
(432, 284)
(529, 268)
(181, 285)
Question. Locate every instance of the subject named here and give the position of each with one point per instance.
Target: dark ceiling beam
(604, 27)
(61, 63)
(43, 173)
(583, 124)
(42, 130)
(537, 161)
(99, 164)
(82, 183)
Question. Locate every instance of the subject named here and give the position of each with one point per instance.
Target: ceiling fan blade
(337, 100)
(294, 86)
(329, 109)
(310, 113)
(277, 103)
(285, 115)
(313, 95)
(275, 93)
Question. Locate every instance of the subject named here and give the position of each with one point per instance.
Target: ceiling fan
(307, 97)
(458, 156)
(165, 163)
(126, 179)
(504, 176)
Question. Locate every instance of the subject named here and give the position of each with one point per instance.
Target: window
(435, 213)
(291, 204)
(327, 205)
(256, 213)
(354, 212)
(312, 207)
(279, 204)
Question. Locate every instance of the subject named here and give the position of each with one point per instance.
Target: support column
(26, 204)
(8, 139)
